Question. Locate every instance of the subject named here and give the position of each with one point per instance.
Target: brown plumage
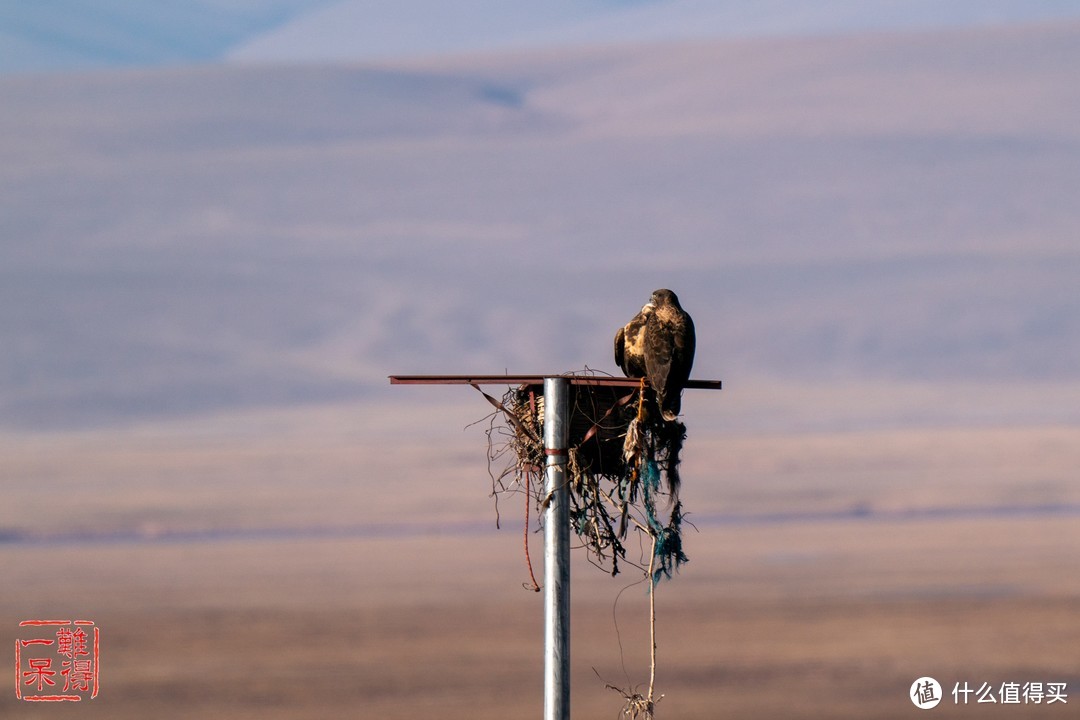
(630, 344)
(658, 343)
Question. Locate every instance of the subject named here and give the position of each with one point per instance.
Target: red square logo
(57, 660)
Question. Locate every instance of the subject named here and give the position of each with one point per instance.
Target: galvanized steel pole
(556, 551)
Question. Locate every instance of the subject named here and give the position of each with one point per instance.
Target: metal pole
(556, 551)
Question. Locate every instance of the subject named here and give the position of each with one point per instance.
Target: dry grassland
(810, 618)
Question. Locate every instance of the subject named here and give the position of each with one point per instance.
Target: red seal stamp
(57, 660)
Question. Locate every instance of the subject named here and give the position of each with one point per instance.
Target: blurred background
(224, 223)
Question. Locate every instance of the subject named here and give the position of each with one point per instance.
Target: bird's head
(663, 296)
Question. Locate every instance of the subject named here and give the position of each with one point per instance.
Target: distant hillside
(353, 30)
(57, 35)
(871, 228)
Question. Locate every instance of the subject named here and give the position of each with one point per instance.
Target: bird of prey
(658, 344)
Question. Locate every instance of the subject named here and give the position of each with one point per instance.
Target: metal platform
(611, 381)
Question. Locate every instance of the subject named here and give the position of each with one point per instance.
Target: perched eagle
(658, 344)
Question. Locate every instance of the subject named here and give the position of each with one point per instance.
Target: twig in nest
(636, 706)
(528, 518)
(640, 706)
(652, 623)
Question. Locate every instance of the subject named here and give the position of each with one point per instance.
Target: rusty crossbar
(535, 380)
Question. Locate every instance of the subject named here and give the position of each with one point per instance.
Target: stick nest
(620, 451)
